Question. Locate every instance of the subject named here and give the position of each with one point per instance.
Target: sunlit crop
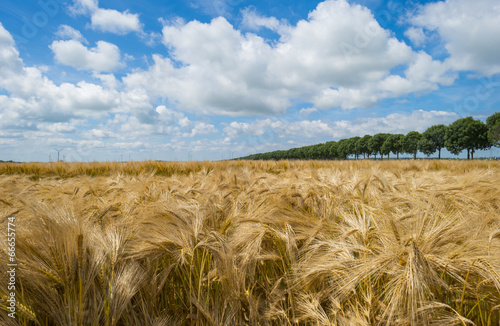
(257, 243)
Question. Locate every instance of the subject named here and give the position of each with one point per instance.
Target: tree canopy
(493, 125)
(433, 140)
(467, 134)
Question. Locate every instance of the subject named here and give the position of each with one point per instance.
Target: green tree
(493, 125)
(376, 143)
(344, 148)
(332, 150)
(386, 147)
(410, 143)
(393, 144)
(426, 146)
(433, 140)
(363, 146)
(468, 134)
(494, 135)
(354, 143)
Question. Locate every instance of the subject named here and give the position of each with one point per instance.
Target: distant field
(250, 242)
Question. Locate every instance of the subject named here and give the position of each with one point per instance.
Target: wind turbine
(58, 150)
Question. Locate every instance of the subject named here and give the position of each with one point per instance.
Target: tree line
(463, 134)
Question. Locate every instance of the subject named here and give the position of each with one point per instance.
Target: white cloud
(107, 20)
(34, 97)
(307, 111)
(144, 124)
(66, 32)
(133, 145)
(59, 127)
(422, 75)
(469, 29)
(416, 35)
(10, 62)
(112, 21)
(339, 57)
(103, 57)
(273, 130)
(83, 7)
(253, 21)
(200, 128)
(107, 80)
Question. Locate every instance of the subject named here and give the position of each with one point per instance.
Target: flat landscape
(253, 243)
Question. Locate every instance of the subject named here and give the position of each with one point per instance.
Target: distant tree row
(464, 134)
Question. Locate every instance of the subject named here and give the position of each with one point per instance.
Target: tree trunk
(397, 154)
(388, 156)
(468, 154)
(472, 154)
(439, 155)
(415, 155)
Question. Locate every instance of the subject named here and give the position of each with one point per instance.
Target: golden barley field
(253, 243)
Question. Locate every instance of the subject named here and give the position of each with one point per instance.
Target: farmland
(252, 242)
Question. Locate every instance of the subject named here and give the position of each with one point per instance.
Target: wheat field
(253, 243)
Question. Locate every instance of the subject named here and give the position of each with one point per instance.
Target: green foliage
(494, 135)
(344, 148)
(493, 120)
(410, 143)
(354, 143)
(363, 145)
(426, 146)
(393, 144)
(376, 143)
(493, 125)
(433, 140)
(468, 134)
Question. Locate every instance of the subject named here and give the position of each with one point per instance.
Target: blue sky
(197, 79)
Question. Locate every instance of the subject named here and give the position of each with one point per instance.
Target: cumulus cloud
(161, 122)
(83, 7)
(276, 129)
(104, 57)
(416, 35)
(66, 32)
(107, 20)
(307, 111)
(469, 29)
(339, 57)
(112, 21)
(34, 97)
(254, 21)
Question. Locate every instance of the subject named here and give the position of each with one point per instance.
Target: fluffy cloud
(307, 111)
(470, 30)
(103, 57)
(83, 7)
(34, 97)
(67, 32)
(276, 129)
(160, 122)
(112, 21)
(107, 20)
(338, 57)
(253, 21)
(416, 35)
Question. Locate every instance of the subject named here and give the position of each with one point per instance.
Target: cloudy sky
(199, 79)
